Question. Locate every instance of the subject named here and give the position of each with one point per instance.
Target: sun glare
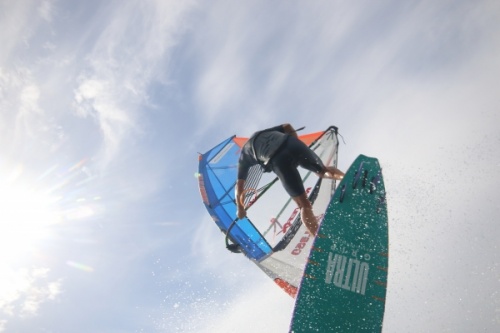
(32, 210)
(25, 219)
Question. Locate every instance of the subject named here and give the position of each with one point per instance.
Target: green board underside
(344, 284)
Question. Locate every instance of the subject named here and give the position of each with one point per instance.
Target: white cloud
(23, 118)
(99, 99)
(112, 79)
(43, 63)
(46, 9)
(125, 60)
(22, 291)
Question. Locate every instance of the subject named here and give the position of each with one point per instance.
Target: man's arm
(240, 185)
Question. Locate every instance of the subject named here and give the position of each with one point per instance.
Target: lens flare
(79, 266)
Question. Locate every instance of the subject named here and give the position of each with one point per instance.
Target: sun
(26, 217)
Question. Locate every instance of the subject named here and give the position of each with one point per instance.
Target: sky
(105, 105)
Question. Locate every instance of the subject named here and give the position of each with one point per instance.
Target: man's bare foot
(333, 173)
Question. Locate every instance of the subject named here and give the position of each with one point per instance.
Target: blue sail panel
(217, 179)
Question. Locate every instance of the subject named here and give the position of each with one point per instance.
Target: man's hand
(239, 195)
(290, 130)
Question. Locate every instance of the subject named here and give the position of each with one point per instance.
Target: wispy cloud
(330, 57)
(126, 59)
(43, 67)
(402, 80)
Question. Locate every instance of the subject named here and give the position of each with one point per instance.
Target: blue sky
(104, 106)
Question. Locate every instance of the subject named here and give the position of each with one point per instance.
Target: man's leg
(306, 213)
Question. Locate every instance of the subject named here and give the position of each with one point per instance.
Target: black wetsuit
(281, 153)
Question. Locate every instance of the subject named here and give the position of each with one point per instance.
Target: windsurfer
(279, 149)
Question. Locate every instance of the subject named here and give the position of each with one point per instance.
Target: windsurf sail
(272, 234)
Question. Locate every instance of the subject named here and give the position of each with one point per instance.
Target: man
(278, 149)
